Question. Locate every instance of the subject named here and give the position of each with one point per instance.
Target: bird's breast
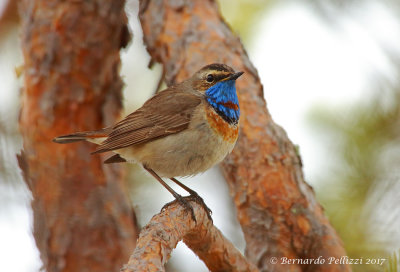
(206, 142)
(229, 132)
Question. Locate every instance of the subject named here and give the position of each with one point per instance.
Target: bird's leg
(177, 196)
(195, 197)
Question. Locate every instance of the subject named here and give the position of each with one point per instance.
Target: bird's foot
(194, 196)
(185, 204)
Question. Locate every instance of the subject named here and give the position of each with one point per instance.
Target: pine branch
(173, 224)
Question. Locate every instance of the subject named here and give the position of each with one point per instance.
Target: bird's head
(217, 82)
(214, 74)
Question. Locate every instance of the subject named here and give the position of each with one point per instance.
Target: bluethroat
(181, 131)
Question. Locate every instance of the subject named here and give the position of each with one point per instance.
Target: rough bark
(277, 210)
(161, 235)
(83, 220)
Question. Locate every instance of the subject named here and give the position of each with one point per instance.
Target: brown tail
(81, 136)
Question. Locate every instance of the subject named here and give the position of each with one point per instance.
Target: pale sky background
(302, 62)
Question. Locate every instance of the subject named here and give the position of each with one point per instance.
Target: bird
(179, 132)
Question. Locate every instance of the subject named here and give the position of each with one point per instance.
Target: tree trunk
(277, 210)
(83, 220)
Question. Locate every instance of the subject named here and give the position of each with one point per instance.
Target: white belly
(184, 154)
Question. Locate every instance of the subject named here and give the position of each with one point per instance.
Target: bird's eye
(210, 78)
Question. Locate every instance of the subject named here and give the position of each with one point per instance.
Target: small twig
(158, 238)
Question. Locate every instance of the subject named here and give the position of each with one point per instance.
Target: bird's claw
(184, 201)
(194, 196)
(186, 205)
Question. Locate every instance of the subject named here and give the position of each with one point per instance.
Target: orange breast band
(221, 127)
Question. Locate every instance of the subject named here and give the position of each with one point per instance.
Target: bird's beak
(235, 76)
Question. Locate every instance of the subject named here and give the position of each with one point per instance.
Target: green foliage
(360, 138)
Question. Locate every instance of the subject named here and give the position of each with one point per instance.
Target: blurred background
(330, 71)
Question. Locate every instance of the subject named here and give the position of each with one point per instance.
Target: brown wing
(166, 113)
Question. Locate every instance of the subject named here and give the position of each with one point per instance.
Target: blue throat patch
(222, 97)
